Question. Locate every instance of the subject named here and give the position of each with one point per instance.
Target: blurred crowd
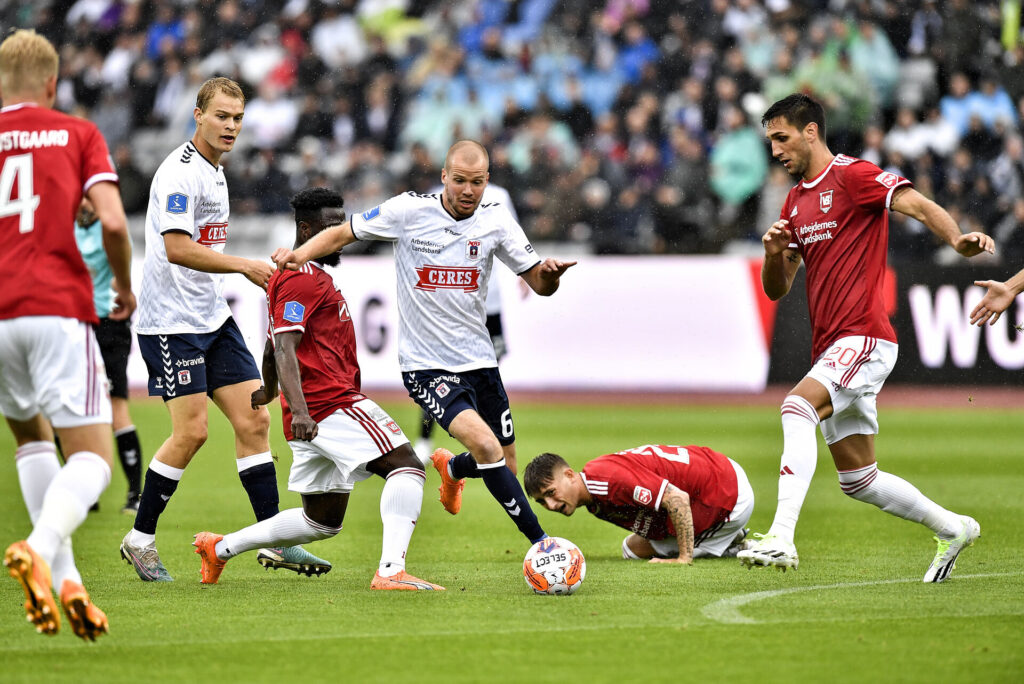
(623, 126)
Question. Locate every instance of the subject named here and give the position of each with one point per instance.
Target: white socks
(37, 466)
(799, 458)
(287, 528)
(898, 497)
(75, 488)
(400, 504)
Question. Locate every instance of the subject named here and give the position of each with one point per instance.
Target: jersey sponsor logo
(825, 201)
(473, 249)
(198, 361)
(642, 495)
(432, 278)
(442, 390)
(426, 246)
(294, 312)
(816, 232)
(887, 179)
(184, 377)
(213, 234)
(177, 203)
(371, 214)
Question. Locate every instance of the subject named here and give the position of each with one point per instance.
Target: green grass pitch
(855, 611)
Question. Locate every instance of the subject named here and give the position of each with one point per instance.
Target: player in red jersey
(835, 220)
(51, 372)
(679, 503)
(338, 436)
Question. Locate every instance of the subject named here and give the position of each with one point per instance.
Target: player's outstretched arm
(997, 299)
(182, 250)
(117, 243)
(676, 503)
(780, 262)
(285, 344)
(912, 203)
(327, 241)
(268, 390)
(545, 277)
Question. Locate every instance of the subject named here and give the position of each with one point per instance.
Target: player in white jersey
(444, 248)
(190, 342)
(493, 194)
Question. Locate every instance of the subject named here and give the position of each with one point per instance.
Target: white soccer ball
(554, 566)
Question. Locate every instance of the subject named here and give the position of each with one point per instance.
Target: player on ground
(835, 220)
(997, 299)
(679, 503)
(492, 310)
(444, 248)
(188, 339)
(337, 435)
(115, 341)
(51, 371)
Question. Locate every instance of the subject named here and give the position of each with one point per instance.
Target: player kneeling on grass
(337, 435)
(680, 503)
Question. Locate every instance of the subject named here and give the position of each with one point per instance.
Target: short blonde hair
(219, 84)
(27, 60)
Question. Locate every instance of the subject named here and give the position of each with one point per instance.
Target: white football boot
(948, 550)
(769, 550)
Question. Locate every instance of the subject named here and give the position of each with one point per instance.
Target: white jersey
(189, 194)
(443, 267)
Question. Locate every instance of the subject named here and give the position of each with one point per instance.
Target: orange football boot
(403, 581)
(206, 547)
(450, 489)
(86, 620)
(25, 565)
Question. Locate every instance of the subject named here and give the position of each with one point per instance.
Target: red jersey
(628, 487)
(308, 301)
(47, 161)
(840, 225)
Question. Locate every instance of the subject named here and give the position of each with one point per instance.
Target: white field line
(727, 610)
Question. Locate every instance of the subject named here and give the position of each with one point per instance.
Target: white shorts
(853, 370)
(718, 541)
(346, 441)
(52, 365)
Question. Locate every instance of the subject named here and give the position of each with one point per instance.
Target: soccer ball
(554, 566)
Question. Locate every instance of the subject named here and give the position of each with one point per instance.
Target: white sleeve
(383, 222)
(177, 194)
(514, 250)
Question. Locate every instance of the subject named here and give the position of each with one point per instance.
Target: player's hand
(552, 269)
(260, 397)
(124, 303)
(258, 272)
(304, 427)
(677, 561)
(285, 258)
(777, 239)
(996, 301)
(973, 244)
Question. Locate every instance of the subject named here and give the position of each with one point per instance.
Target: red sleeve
(631, 485)
(293, 299)
(97, 164)
(870, 187)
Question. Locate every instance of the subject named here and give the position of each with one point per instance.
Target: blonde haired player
(51, 371)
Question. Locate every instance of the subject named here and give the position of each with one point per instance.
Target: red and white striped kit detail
(869, 346)
(867, 475)
(801, 408)
(376, 433)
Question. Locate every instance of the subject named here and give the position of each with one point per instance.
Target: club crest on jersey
(343, 314)
(442, 390)
(642, 495)
(473, 249)
(177, 203)
(184, 377)
(294, 312)
(393, 426)
(825, 201)
(432, 278)
(371, 214)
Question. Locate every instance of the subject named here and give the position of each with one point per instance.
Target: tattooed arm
(676, 503)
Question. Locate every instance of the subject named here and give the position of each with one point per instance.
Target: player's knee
(192, 437)
(485, 449)
(255, 427)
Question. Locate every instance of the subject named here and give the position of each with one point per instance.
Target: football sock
(75, 488)
(161, 481)
(129, 452)
(627, 552)
(37, 466)
(799, 458)
(260, 482)
(287, 528)
(504, 487)
(464, 465)
(400, 503)
(426, 424)
(898, 497)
